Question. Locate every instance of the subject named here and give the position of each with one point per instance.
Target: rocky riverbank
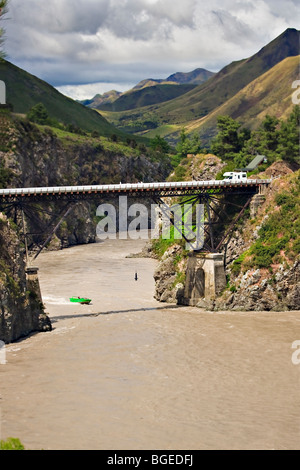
(261, 258)
(21, 309)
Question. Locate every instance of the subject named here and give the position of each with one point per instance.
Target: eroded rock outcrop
(262, 262)
(21, 310)
(33, 157)
(257, 291)
(168, 275)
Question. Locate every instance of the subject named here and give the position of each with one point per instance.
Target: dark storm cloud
(86, 41)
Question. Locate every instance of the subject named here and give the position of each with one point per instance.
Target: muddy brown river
(128, 372)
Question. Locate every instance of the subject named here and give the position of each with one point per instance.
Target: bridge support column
(205, 278)
(256, 202)
(32, 281)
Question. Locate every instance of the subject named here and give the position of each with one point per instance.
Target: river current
(128, 372)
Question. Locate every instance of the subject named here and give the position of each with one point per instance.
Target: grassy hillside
(148, 82)
(154, 96)
(25, 90)
(231, 79)
(278, 238)
(270, 94)
(216, 91)
(146, 96)
(196, 77)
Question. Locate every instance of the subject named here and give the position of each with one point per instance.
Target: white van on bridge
(235, 176)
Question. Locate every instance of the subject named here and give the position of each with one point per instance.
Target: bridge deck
(131, 189)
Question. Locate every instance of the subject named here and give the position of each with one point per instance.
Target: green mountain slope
(196, 77)
(146, 96)
(158, 95)
(270, 93)
(216, 91)
(24, 90)
(232, 78)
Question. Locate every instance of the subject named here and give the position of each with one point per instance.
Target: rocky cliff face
(168, 275)
(275, 286)
(31, 157)
(268, 279)
(200, 167)
(34, 157)
(21, 311)
(258, 290)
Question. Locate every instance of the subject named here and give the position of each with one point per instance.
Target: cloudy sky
(84, 47)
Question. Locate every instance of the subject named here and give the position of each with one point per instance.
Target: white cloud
(83, 92)
(123, 41)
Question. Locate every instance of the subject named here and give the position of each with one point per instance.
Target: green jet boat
(80, 300)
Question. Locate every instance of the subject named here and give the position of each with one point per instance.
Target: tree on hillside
(38, 114)
(187, 145)
(274, 138)
(289, 137)
(159, 144)
(227, 142)
(264, 141)
(3, 10)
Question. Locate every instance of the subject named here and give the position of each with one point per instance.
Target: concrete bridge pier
(32, 281)
(256, 202)
(205, 278)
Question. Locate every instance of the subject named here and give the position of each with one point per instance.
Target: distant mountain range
(223, 92)
(98, 100)
(196, 77)
(148, 95)
(246, 90)
(149, 91)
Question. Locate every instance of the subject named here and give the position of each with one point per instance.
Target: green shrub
(281, 230)
(281, 198)
(38, 114)
(11, 444)
(237, 264)
(296, 246)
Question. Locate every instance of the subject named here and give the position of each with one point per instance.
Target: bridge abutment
(32, 281)
(256, 202)
(205, 278)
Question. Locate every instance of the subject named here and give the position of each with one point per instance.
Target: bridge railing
(130, 187)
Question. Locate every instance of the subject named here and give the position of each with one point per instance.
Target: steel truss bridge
(164, 189)
(224, 201)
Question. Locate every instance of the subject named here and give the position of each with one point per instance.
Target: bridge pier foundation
(32, 281)
(205, 278)
(256, 202)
